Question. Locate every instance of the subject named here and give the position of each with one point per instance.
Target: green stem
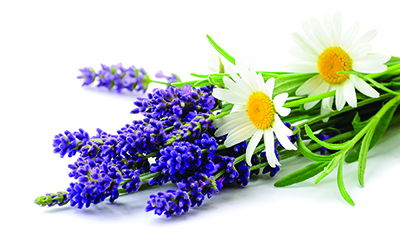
(345, 109)
(309, 99)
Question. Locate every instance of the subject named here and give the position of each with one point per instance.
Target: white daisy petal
(280, 132)
(340, 100)
(323, 87)
(302, 55)
(283, 111)
(231, 125)
(360, 51)
(269, 86)
(235, 77)
(237, 89)
(255, 139)
(228, 96)
(326, 107)
(350, 93)
(319, 33)
(313, 41)
(366, 38)
(238, 107)
(363, 87)
(270, 147)
(369, 68)
(232, 116)
(239, 135)
(337, 27)
(302, 67)
(310, 85)
(301, 42)
(280, 99)
(281, 126)
(349, 36)
(328, 26)
(374, 59)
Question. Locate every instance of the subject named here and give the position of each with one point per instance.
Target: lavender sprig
(116, 77)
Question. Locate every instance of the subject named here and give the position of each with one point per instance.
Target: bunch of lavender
(178, 131)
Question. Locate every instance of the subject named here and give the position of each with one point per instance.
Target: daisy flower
(254, 113)
(325, 51)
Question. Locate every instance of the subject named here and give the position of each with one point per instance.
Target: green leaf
(383, 124)
(202, 83)
(363, 153)
(393, 61)
(326, 145)
(226, 107)
(357, 124)
(220, 50)
(180, 84)
(353, 156)
(340, 183)
(301, 175)
(216, 80)
(329, 168)
(289, 83)
(380, 129)
(310, 155)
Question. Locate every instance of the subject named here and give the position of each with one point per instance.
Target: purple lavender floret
(170, 79)
(133, 182)
(88, 74)
(69, 143)
(174, 161)
(117, 77)
(169, 203)
(191, 192)
(95, 183)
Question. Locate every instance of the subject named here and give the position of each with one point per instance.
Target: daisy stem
(309, 99)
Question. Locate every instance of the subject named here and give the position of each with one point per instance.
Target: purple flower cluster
(96, 182)
(191, 192)
(177, 132)
(117, 77)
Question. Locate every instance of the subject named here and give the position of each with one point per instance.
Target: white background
(44, 43)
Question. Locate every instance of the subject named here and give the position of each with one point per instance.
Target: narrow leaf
(310, 155)
(329, 168)
(362, 161)
(301, 175)
(340, 183)
(202, 83)
(221, 51)
(326, 145)
(380, 129)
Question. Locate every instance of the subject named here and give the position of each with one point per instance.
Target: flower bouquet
(225, 127)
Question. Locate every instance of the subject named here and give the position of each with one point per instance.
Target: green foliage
(301, 175)
(289, 83)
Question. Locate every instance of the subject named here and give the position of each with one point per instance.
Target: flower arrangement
(222, 128)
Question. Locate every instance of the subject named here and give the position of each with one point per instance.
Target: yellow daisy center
(261, 110)
(331, 61)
